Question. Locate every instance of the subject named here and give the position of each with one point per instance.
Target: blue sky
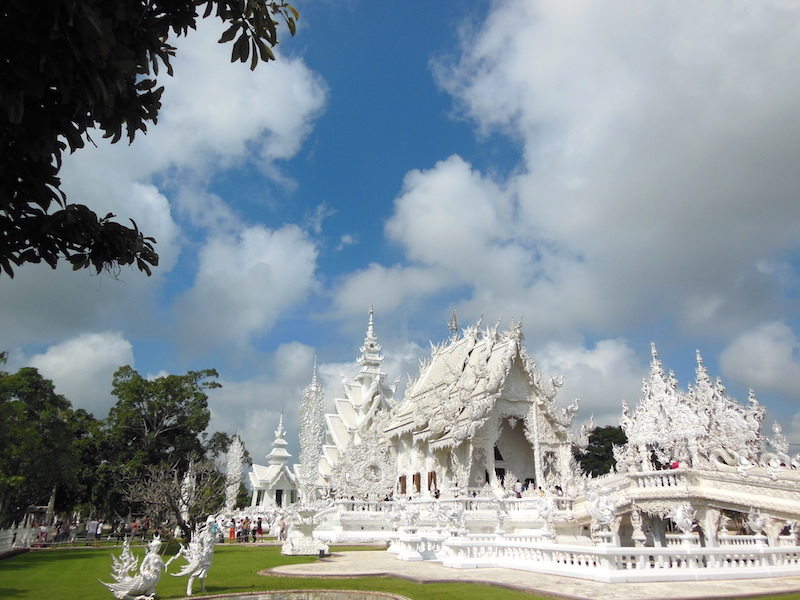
(614, 173)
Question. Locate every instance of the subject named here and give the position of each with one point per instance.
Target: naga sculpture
(142, 585)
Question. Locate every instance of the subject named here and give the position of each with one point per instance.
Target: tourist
(254, 527)
(282, 531)
(99, 534)
(215, 532)
(232, 531)
(145, 526)
(73, 532)
(259, 529)
(91, 530)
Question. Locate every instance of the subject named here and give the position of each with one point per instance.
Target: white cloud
(766, 358)
(215, 114)
(386, 287)
(658, 171)
(244, 283)
(82, 368)
(601, 377)
(252, 407)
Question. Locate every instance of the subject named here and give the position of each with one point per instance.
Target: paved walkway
(380, 562)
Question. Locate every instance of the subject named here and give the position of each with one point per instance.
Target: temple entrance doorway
(513, 454)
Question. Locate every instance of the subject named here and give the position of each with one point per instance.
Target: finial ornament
(452, 325)
(280, 432)
(370, 358)
(314, 381)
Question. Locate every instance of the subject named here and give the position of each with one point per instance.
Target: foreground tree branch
(73, 66)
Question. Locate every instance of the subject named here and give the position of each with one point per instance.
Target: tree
(159, 420)
(155, 423)
(73, 66)
(598, 458)
(36, 450)
(86, 489)
(179, 497)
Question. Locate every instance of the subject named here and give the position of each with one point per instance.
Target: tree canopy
(159, 420)
(598, 458)
(36, 444)
(156, 428)
(73, 67)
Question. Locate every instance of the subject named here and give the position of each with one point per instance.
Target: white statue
(756, 521)
(198, 555)
(683, 517)
(602, 508)
(141, 586)
(125, 564)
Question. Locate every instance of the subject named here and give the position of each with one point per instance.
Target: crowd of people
(93, 530)
(245, 529)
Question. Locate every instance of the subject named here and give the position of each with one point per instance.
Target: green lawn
(75, 574)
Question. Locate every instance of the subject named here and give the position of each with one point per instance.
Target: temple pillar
(488, 452)
(708, 519)
(658, 532)
(772, 529)
(638, 536)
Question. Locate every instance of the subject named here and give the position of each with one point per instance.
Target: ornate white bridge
(560, 535)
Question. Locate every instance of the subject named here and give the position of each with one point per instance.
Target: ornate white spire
(452, 325)
(314, 384)
(280, 432)
(312, 434)
(371, 358)
(234, 476)
(279, 455)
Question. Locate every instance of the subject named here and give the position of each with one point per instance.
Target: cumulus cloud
(658, 164)
(386, 287)
(601, 377)
(82, 368)
(766, 358)
(252, 407)
(244, 283)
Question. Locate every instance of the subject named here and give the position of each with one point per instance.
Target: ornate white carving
(233, 478)
(700, 427)
(312, 434)
(198, 555)
(683, 516)
(602, 507)
(365, 470)
(142, 585)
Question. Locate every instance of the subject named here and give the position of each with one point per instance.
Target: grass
(75, 574)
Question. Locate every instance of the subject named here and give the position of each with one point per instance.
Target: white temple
(474, 468)
(274, 485)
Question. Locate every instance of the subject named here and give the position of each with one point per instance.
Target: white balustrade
(614, 564)
(660, 479)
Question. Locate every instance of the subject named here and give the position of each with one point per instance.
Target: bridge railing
(614, 564)
(661, 479)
